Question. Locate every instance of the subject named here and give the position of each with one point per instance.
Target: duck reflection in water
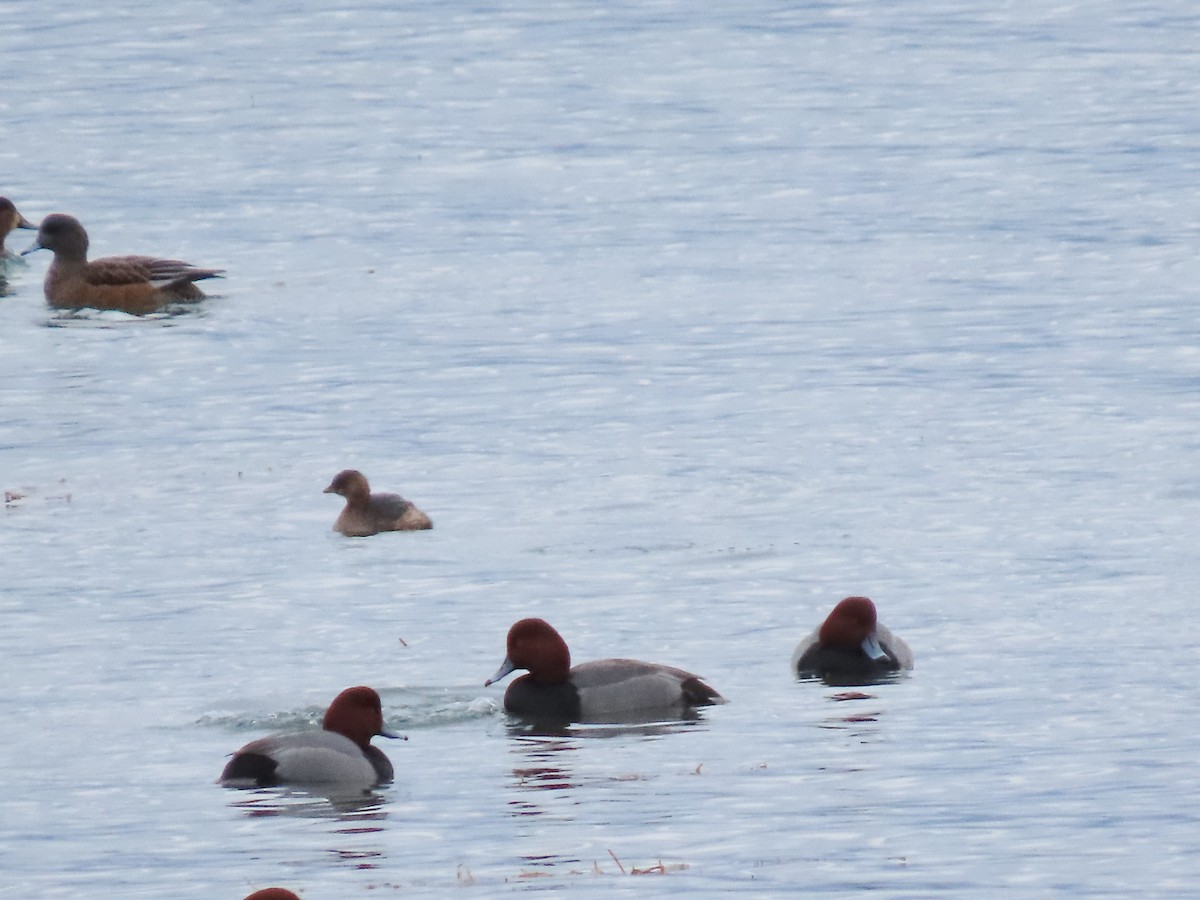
(349, 806)
(544, 781)
(354, 819)
(546, 765)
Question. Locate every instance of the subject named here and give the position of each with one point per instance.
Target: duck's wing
(622, 685)
(390, 506)
(396, 513)
(895, 645)
(122, 270)
(314, 756)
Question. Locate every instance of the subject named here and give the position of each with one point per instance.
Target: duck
(851, 646)
(605, 690)
(272, 893)
(10, 219)
(132, 284)
(340, 753)
(366, 513)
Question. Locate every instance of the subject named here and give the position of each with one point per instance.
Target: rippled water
(682, 323)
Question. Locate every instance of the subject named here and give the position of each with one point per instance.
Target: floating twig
(618, 862)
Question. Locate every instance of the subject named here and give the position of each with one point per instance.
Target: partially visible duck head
(10, 218)
(273, 894)
(534, 645)
(851, 625)
(357, 713)
(60, 234)
(351, 484)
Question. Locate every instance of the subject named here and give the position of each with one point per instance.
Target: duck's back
(392, 508)
(308, 756)
(609, 687)
(159, 273)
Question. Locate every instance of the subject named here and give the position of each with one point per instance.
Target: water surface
(682, 324)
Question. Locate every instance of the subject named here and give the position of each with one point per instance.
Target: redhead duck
(366, 513)
(601, 691)
(132, 284)
(851, 647)
(272, 894)
(341, 752)
(10, 219)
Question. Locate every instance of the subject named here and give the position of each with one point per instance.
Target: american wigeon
(340, 753)
(132, 284)
(851, 647)
(605, 690)
(10, 219)
(366, 513)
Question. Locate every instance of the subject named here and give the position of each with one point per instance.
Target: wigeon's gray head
(60, 233)
(535, 646)
(357, 714)
(851, 625)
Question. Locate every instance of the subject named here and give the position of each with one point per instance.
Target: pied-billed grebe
(366, 513)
